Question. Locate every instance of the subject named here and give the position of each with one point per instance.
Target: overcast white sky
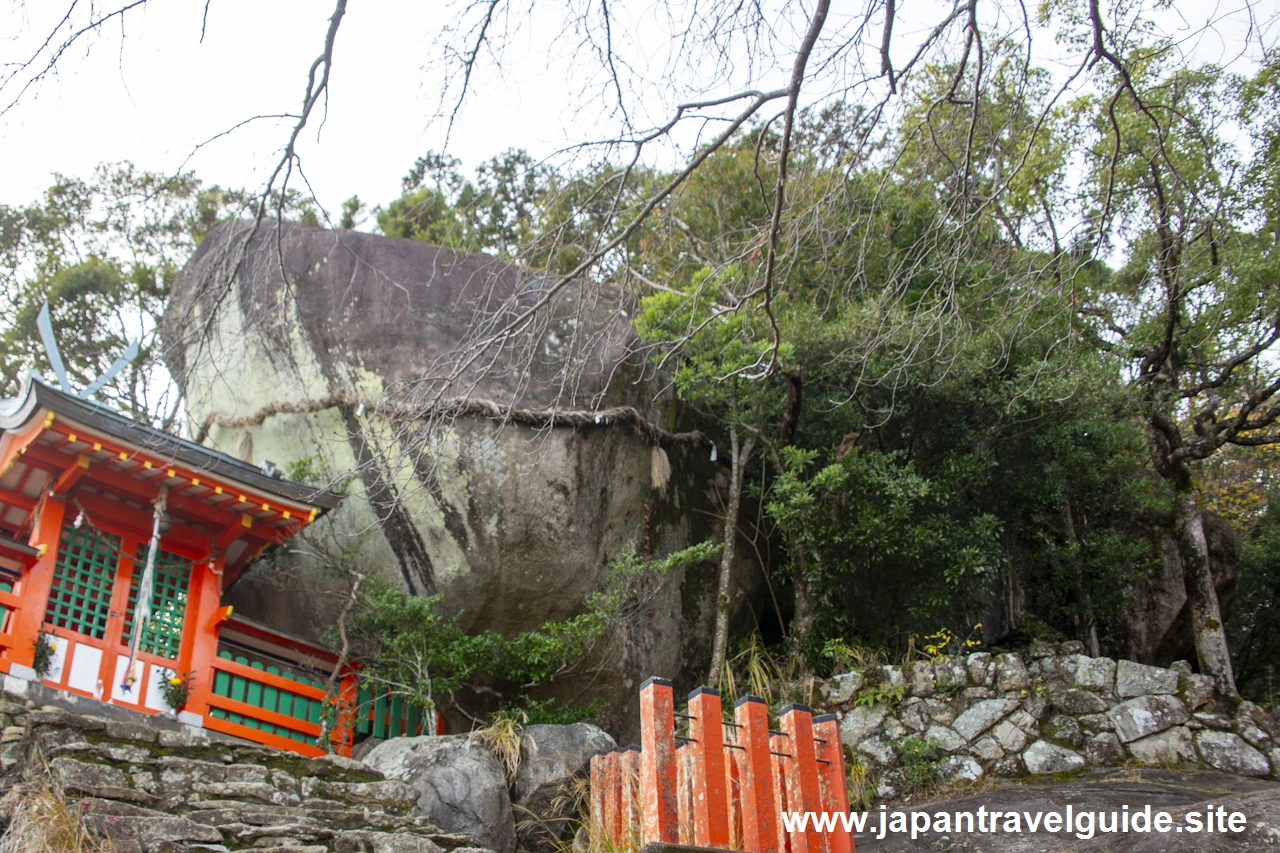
(153, 95)
(165, 91)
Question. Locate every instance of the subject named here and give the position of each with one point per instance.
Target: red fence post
(801, 772)
(710, 806)
(778, 748)
(684, 802)
(596, 828)
(657, 763)
(733, 791)
(629, 774)
(612, 799)
(757, 780)
(835, 798)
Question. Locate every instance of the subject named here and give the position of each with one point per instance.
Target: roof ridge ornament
(45, 324)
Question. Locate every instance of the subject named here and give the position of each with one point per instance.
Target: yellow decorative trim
(195, 481)
(97, 445)
(312, 517)
(82, 461)
(286, 514)
(246, 521)
(217, 490)
(42, 548)
(172, 473)
(123, 456)
(71, 437)
(267, 507)
(146, 463)
(48, 420)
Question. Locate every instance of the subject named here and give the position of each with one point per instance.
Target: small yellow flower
(175, 681)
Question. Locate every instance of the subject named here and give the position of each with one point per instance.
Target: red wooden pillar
(199, 645)
(777, 749)
(835, 797)
(629, 812)
(657, 763)
(612, 799)
(38, 580)
(733, 788)
(757, 780)
(710, 806)
(595, 830)
(684, 804)
(800, 770)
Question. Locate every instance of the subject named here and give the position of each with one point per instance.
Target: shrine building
(93, 508)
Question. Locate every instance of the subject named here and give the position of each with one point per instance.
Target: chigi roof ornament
(45, 325)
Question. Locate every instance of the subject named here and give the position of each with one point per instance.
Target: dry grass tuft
(43, 822)
(504, 737)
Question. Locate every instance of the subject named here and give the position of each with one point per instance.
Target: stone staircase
(140, 788)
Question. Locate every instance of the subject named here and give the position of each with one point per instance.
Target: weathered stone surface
(1071, 647)
(96, 780)
(1181, 667)
(960, 768)
(1011, 738)
(940, 711)
(857, 723)
(1229, 753)
(1037, 706)
(550, 758)
(912, 716)
(987, 748)
(877, 751)
(121, 730)
(944, 737)
(1042, 758)
(1040, 649)
(150, 831)
(1248, 710)
(1064, 730)
(981, 716)
(1076, 702)
(64, 720)
(1199, 690)
(950, 673)
(1213, 721)
(1011, 673)
(1136, 679)
(1147, 715)
(365, 841)
(187, 736)
(1171, 746)
(1094, 723)
(1104, 750)
(922, 678)
(1096, 674)
(460, 785)
(843, 687)
(979, 665)
(893, 729)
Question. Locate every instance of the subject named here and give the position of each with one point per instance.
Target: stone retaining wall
(1053, 710)
(149, 789)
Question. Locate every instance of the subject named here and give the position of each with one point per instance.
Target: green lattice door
(92, 609)
(83, 581)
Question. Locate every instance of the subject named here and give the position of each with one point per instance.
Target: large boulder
(327, 353)
(551, 757)
(460, 785)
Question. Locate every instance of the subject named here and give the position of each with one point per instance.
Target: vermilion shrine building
(80, 490)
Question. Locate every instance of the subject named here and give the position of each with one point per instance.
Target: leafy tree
(1195, 307)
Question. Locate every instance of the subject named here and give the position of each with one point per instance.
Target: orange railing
(10, 604)
(724, 786)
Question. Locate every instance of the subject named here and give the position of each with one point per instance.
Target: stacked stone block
(1053, 710)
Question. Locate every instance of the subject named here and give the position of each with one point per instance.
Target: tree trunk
(802, 619)
(738, 461)
(1202, 595)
